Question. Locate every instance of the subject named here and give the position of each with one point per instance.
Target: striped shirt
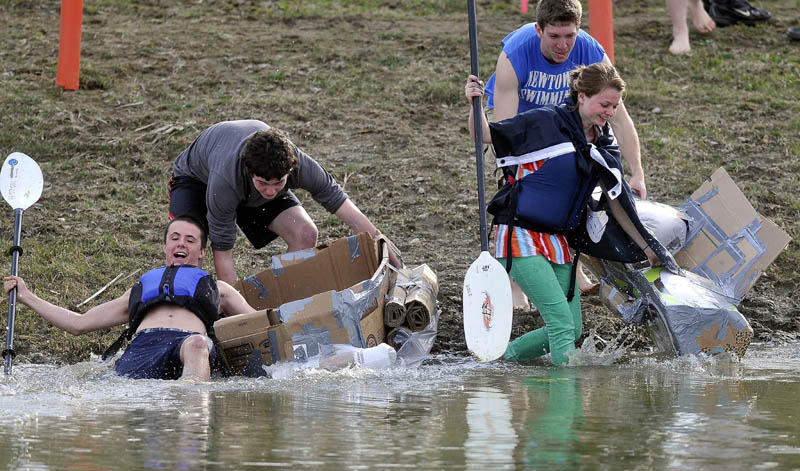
(526, 243)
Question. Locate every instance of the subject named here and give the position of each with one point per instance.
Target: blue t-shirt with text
(542, 83)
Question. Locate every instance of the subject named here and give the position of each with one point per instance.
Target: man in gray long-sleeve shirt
(241, 173)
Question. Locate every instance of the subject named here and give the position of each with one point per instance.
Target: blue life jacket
(554, 198)
(183, 285)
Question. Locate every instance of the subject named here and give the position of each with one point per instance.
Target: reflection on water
(450, 413)
(491, 439)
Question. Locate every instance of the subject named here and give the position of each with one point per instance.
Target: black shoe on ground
(794, 33)
(736, 11)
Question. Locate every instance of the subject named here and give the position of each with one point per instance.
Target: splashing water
(595, 350)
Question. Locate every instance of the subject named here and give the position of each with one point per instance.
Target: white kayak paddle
(487, 302)
(21, 185)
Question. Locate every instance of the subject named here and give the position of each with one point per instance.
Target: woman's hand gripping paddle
(21, 185)
(487, 300)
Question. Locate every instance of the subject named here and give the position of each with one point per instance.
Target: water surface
(449, 413)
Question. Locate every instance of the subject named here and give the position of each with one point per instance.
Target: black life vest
(183, 285)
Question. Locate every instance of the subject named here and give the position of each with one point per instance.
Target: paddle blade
(20, 181)
(487, 308)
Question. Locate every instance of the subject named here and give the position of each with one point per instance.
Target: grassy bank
(372, 89)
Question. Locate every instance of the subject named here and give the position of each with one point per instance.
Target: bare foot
(700, 19)
(586, 285)
(680, 45)
(518, 298)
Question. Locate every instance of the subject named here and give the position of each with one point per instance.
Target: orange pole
(69, 46)
(523, 6)
(601, 25)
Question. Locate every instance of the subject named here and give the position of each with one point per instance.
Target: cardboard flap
(242, 324)
(296, 275)
(728, 241)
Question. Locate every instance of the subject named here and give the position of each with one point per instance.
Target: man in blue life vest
(170, 311)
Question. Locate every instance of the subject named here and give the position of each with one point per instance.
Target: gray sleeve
(310, 176)
(222, 199)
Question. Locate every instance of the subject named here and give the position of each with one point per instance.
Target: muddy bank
(374, 91)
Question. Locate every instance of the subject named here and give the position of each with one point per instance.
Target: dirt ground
(374, 91)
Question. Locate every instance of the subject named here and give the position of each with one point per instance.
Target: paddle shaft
(477, 114)
(8, 353)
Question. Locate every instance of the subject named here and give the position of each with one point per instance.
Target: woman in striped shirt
(542, 261)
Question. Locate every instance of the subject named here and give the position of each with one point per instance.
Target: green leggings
(546, 284)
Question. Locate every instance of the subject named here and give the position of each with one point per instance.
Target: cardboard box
(332, 294)
(728, 241)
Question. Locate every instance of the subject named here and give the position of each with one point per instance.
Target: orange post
(523, 6)
(601, 25)
(69, 46)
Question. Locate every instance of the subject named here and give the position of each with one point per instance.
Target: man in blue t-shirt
(533, 71)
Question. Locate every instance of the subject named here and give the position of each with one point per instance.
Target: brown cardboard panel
(305, 279)
(235, 352)
(239, 335)
(722, 262)
(242, 324)
(723, 215)
(747, 249)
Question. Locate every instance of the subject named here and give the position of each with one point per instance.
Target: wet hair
(550, 12)
(269, 154)
(191, 220)
(593, 79)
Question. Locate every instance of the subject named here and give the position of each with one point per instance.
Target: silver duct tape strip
(256, 283)
(688, 324)
(416, 281)
(286, 310)
(417, 286)
(274, 347)
(276, 265)
(699, 221)
(632, 313)
(309, 342)
(355, 247)
(349, 307)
